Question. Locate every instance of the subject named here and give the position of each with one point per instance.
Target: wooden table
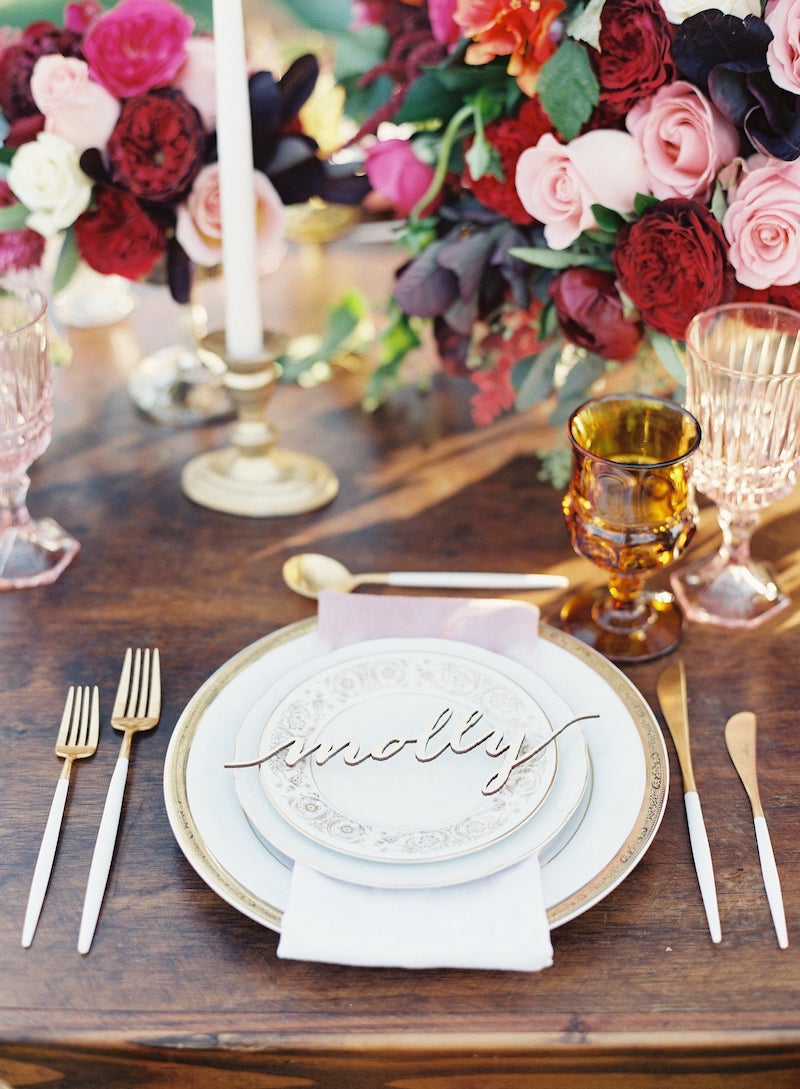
(180, 989)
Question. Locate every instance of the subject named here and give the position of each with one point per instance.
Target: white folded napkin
(496, 922)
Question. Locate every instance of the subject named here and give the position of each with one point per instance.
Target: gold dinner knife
(671, 688)
(740, 737)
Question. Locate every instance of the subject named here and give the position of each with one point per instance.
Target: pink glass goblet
(32, 553)
(743, 385)
(630, 510)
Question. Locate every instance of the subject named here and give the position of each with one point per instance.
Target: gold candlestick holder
(251, 477)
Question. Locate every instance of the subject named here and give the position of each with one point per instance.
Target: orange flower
(517, 29)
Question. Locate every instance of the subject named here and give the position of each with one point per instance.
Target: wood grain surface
(180, 989)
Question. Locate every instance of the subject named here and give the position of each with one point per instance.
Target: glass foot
(713, 591)
(181, 386)
(90, 301)
(34, 554)
(658, 631)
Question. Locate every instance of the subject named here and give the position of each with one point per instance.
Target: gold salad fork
(137, 707)
(77, 738)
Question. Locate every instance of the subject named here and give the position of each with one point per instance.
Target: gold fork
(137, 707)
(77, 738)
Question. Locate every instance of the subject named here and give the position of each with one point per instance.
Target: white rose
(45, 175)
(678, 10)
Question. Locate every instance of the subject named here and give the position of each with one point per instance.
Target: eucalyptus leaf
(13, 217)
(581, 376)
(532, 377)
(67, 263)
(669, 356)
(557, 259)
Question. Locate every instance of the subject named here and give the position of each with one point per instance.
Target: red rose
(672, 263)
(17, 61)
(117, 237)
(590, 313)
(635, 56)
(156, 148)
(509, 137)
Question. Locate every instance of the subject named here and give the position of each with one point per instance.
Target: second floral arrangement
(590, 173)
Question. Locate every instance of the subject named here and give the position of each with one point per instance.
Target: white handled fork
(137, 707)
(77, 738)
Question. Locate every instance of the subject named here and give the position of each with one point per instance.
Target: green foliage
(67, 262)
(396, 342)
(341, 328)
(568, 88)
(13, 217)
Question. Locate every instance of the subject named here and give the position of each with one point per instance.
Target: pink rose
(197, 79)
(199, 221)
(395, 171)
(685, 141)
(137, 45)
(441, 14)
(762, 225)
(79, 15)
(559, 183)
(783, 52)
(74, 106)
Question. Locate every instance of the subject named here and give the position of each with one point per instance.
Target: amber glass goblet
(630, 510)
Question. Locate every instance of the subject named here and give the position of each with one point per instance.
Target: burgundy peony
(17, 61)
(590, 313)
(19, 249)
(509, 137)
(672, 263)
(117, 237)
(156, 148)
(635, 54)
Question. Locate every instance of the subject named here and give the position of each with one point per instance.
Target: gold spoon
(310, 572)
(740, 737)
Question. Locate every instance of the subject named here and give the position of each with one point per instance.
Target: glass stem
(13, 499)
(624, 611)
(737, 532)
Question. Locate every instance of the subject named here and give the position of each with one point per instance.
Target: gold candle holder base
(250, 477)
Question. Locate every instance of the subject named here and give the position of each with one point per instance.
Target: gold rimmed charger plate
(626, 750)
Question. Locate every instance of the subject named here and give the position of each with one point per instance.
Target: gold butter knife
(671, 689)
(740, 737)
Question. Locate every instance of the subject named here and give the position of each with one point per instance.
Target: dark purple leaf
(712, 38)
(424, 289)
(296, 86)
(180, 271)
(299, 182)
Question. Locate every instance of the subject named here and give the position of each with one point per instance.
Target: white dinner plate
(625, 806)
(544, 830)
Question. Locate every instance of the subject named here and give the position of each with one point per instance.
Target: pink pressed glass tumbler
(743, 385)
(32, 553)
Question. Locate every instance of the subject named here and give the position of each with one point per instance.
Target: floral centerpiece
(590, 173)
(110, 142)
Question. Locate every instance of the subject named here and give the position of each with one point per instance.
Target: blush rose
(74, 106)
(684, 139)
(672, 263)
(762, 224)
(559, 183)
(783, 52)
(137, 45)
(199, 221)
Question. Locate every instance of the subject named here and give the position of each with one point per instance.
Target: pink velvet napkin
(497, 922)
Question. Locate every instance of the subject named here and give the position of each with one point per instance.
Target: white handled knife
(740, 737)
(671, 688)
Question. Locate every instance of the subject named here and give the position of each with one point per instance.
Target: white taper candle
(244, 337)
